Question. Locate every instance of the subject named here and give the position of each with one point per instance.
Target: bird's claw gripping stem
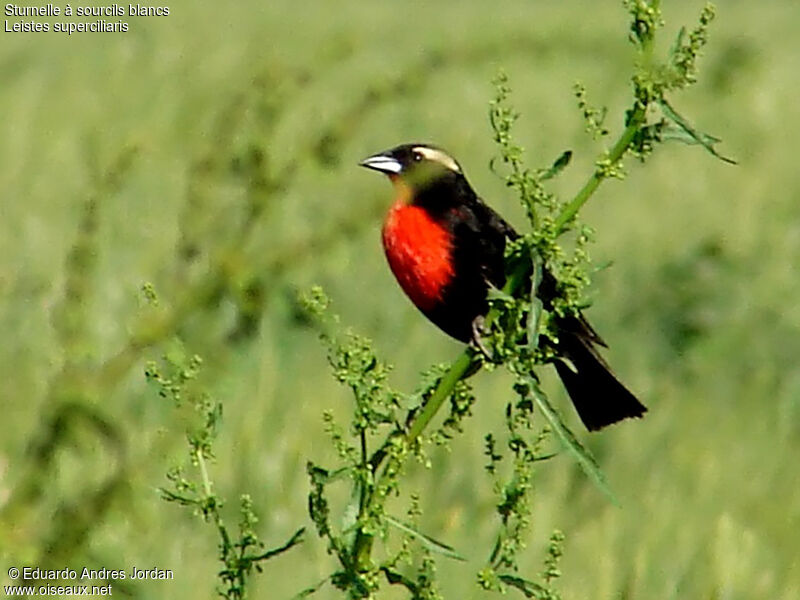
(478, 331)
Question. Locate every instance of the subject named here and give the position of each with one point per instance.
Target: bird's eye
(417, 156)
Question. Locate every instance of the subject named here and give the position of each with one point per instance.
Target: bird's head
(417, 167)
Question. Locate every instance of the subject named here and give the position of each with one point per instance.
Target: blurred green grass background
(699, 306)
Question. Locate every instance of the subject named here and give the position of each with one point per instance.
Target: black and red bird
(446, 247)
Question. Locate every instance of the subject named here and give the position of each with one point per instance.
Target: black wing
(480, 237)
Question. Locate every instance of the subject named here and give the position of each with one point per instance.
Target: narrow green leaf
(324, 477)
(529, 588)
(676, 45)
(535, 315)
(544, 457)
(427, 541)
(297, 538)
(396, 578)
(496, 549)
(570, 442)
(671, 131)
(312, 589)
(558, 166)
(350, 514)
(697, 137)
(493, 293)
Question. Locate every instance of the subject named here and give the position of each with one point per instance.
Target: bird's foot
(476, 341)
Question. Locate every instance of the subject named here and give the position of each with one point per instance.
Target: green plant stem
(362, 503)
(454, 374)
(647, 44)
(210, 508)
(201, 463)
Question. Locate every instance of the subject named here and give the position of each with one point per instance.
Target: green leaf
(312, 589)
(427, 541)
(671, 131)
(324, 477)
(535, 315)
(297, 538)
(544, 457)
(396, 578)
(527, 587)
(676, 45)
(558, 166)
(350, 514)
(493, 293)
(570, 442)
(496, 550)
(688, 134)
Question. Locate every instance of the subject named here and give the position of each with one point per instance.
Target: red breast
(419, 251)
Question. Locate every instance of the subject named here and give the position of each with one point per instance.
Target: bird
(445, 246)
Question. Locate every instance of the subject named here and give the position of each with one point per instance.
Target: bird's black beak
(382, 163)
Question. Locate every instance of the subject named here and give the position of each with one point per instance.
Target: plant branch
(454, 374)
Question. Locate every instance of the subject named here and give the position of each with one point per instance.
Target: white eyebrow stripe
(438, 156)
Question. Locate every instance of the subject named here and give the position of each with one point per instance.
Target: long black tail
(597, 394)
